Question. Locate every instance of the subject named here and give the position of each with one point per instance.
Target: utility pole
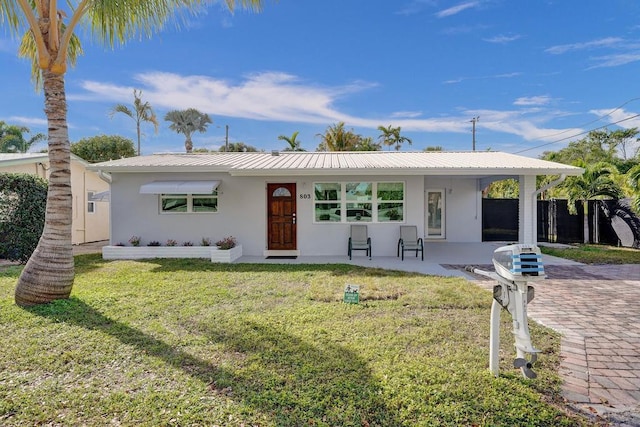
(473, 121)
(226, 138)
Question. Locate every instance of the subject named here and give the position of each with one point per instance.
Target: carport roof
(474, 163)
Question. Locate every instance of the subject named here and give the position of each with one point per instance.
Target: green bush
(23, 201)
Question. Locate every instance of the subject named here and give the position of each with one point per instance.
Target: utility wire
(585, 124)
(578, 134)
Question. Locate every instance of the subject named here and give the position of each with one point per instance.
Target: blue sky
(538, 74)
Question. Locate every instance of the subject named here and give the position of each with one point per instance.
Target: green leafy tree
(51, 44)
(186, 122)
(141, 113)
(294, 144)
(367, 144)
(103, 148)
(12, 139)
(597, 181)
(23, 200)
(633, 179)
(238, 147)
(434, 148)
(390, 136)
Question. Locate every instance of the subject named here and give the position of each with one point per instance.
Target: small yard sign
(352, 294)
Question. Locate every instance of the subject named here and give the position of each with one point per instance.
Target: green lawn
(596, 254)
(190, 343)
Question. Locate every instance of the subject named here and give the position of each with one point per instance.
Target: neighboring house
(302, 203)
(89, 191)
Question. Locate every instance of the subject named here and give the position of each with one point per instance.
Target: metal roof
(10, 159)
(347, 163)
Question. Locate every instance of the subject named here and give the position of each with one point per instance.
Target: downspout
(535, 205)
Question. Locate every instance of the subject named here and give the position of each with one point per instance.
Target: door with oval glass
(281, 216)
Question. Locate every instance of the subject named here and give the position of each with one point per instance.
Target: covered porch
(440, 258)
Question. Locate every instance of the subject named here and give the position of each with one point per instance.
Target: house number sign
(305, 195)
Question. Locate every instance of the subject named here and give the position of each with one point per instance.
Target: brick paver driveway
(597, 311)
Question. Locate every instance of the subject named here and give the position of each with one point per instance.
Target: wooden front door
(281, 221)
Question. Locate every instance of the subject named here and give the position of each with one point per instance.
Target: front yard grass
(191, 343)
(595, 254)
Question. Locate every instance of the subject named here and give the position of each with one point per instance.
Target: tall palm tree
(597, 181)
(142, 112)
(187, 122)
(294, 144)
(52, 45)
(391, 136)
(12, 138)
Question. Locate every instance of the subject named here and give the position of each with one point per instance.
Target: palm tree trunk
(49, 272)
(585, 221)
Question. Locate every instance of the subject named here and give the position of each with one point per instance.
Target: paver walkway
(597, 311)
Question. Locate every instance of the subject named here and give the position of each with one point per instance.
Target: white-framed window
(189, 203)
(91, 205)
(364, 201)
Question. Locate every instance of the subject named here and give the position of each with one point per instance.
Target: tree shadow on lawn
(284, 378)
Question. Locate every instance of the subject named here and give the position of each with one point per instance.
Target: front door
(281, 221)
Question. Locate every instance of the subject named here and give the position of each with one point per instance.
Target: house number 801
(305, 196)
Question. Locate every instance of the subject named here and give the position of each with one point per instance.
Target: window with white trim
(359, 201)
(91, 205)
(189, 203)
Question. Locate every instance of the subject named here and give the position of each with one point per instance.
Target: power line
(581, 133)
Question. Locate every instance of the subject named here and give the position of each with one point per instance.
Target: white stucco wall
(463, 208)
(242, 213)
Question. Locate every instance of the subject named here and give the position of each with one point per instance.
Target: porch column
(527, 212)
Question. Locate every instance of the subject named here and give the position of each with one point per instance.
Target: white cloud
(616, 60)
(406, 114)
(282, 97)
(532, 100)
(496, 76)
(27, 121)
(454, 10)
(622, 118)
(502, 39)
(413, 7)
(599, 43)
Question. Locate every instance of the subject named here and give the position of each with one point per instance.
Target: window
(327, 202)
(189, 203)
(91, 205)
(359, 202)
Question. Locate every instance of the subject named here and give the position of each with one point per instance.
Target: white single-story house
(89, 192)
(303, 203)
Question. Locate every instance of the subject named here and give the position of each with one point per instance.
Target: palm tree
(633, 178)
(12, 138)
(337, 138)
(187, 122)
(52, 45)
(597, 181)
(391, 136)
(294, 144)
(142, 112)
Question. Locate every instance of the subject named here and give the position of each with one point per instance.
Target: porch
(439, 259)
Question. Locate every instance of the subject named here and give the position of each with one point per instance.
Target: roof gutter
(106, 177)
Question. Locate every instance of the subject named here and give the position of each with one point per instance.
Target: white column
(527, 215)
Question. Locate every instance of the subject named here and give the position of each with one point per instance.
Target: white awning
(103, 196)
(179, 187)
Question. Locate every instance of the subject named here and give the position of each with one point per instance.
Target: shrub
(23, 202)
(134, 240)
(205, 241)
(153, 243)
(187, 244)
(171, 242)
(227, 243)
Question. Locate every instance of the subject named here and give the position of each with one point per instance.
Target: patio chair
(359, 240)
(409, 241)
